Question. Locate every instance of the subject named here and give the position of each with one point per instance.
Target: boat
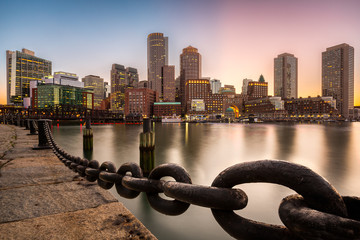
(172, 119)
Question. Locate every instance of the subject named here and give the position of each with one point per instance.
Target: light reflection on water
(204, 150)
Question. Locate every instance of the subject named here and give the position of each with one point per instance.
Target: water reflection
(285, 136)
(204, 150)
(337, 140)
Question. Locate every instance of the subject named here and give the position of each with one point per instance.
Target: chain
(318, 211)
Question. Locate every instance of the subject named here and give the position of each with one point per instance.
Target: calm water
(204, 150)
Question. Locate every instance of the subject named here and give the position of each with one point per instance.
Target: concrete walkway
(42, 199)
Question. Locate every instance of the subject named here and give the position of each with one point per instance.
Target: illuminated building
(198, 89)
(190, 68)
(286, 76)
(97, 84)
(257, 89)
(21, 67)
(140, 101)
(338, 76)
(121, 79)
(163, 109)
(311, 107)
(168, 83)
(157, 57)
(215, 85)
(266, 108)
(52, 95)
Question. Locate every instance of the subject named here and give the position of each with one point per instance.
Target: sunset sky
(237, 38)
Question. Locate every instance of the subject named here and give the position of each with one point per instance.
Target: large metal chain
(318, 211)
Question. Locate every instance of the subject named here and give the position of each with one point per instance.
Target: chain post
(147, 148)
(43, 142)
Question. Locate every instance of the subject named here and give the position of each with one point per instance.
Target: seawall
(42, 199)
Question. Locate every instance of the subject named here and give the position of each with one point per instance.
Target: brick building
(140, 101)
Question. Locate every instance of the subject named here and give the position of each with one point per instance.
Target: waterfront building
(338, 76)
(21, 68)
(47, 95)
(236, 102)
(166, 109)
(215, 104)
(168, 84)
(157, 57)
(198, 89)
(140, 101)
(257, 89)
(268, 108)
(97, 85)
(121, 79)
(311, 107)
(245, 85)
(190, 68)
(215, 85)
(63, 78)
(286, 76)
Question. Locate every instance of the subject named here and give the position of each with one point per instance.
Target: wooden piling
(147, 148)
(88, 136)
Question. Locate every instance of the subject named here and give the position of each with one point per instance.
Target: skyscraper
(22, 67)
(157, 53)
(121, 79)
(286, 76)
(97, 84)
(168, 82)
(190, 68)
(338, 76)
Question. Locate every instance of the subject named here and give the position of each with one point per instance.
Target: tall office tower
(131, 77)
(286, 76)
(157, 53)
(22, 67)
(338, 76)
(121, 79)
(215, 85)
(168, 79)
(97, 84)
(245, 86)
(190, 68)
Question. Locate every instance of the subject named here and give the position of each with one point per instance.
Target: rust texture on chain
(317, 211)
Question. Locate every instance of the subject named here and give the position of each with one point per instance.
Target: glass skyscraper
(157, 54)
(22, 67)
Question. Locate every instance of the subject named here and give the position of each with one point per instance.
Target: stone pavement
(42, 199)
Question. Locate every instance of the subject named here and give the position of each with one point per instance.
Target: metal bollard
(21, 123)
(32, 127)
(147, 148)
(43, 143)
(26, 122)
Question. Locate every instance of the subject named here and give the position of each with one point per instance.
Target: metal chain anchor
(318, 211)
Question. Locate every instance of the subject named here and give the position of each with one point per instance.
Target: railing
(318, 211)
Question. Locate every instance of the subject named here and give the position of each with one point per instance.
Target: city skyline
(237, 39)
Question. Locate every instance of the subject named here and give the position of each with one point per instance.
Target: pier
(42, 199)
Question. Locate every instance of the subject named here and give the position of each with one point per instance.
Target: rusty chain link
(318, 211)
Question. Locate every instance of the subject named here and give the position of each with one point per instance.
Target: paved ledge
(42, 199)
